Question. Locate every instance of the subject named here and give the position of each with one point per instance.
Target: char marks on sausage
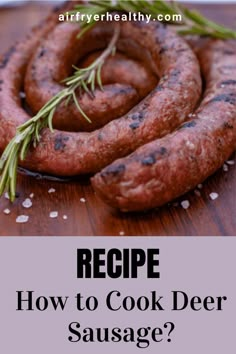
(195, 151)
(155, 116)
(53, 61)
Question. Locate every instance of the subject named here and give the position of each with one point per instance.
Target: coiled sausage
(167, 106)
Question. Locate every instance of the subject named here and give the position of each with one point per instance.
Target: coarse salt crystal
(7, 211)
(83, 200)
(230, 162)
(65, 217)
(122, 233)
(52, 190)
(27, 203)
(185, 204)
(225, 167)
(53, 214)
(200, 186)
(214, 196)
(21, 219)
(31, 195)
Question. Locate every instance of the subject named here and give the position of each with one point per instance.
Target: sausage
(166, 168)
(168, 105)
(121, 69)
(53, 61)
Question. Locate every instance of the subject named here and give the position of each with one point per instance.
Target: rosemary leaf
(50, 117)
(12, 180)
(99, 79)
(79, 108)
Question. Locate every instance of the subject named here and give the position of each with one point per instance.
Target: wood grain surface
(205, 217)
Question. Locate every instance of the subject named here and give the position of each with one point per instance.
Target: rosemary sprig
(29, 132)
(193, 22)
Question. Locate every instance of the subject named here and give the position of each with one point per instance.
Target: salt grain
(200, 186)
(27, 203)
(21, 219)
(31, 195)
(185, 204)
(122, 233)
(230, 162)
(65, 217)
(52, 190)
(225, 167)
(214, 196)
(83, 200)
(53, 214)
(6, 211)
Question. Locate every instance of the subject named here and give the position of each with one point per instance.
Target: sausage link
(166, 168)
(53, 61)
(121, 69)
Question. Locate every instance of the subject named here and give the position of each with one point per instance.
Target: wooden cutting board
(89, 216)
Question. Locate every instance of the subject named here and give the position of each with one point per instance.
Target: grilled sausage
(166, 168)
(168, 105)
(53, 61)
